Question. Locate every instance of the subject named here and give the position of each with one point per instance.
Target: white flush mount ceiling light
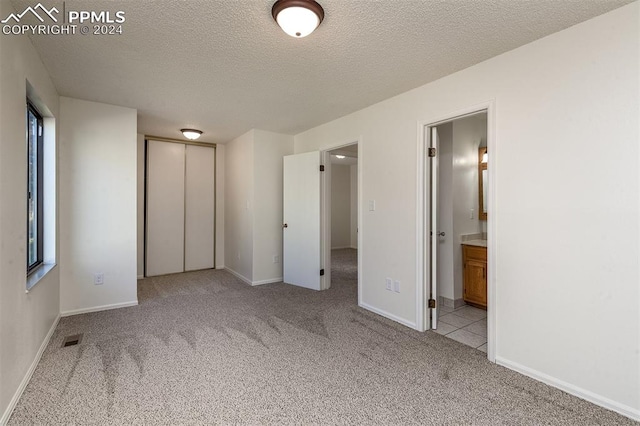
(191, 134)
(340, 157)
(298, 18)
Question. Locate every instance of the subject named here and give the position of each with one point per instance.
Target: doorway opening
(456, 231)
(341, 211)
(307, 213)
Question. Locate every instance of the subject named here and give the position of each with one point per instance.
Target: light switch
(372, 205)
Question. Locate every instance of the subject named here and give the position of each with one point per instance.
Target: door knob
(441, 233)
(285, 226)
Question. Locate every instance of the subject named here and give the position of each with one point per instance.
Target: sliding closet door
(165, 208)
(199, 208)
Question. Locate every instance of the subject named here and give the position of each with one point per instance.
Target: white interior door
(301, 225)
(165, 208)
(199, 208)
(433, 225)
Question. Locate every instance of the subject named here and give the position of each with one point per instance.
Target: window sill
(41, 271)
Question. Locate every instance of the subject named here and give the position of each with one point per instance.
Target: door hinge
(432, 303)
(322, 167)
(432, 152)
(321, 272)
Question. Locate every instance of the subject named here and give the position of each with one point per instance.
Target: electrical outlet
(276, 259)
(372, 205)
(396, 286)
(98, 278)
(472, 214)
(389, 284)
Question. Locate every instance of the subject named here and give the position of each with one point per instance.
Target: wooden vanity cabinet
(475, 275)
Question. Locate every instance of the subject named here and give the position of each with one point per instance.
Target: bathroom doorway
(456, 230)
(343, 223)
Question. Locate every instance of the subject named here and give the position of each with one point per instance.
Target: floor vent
(72, 340)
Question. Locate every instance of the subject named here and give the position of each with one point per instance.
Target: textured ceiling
(223, 66)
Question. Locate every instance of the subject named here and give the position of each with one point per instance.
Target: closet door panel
(199, 208)
(165, 208)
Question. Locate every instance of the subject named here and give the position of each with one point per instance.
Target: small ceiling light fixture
(340, 157)
(191, 134)
(298, 18)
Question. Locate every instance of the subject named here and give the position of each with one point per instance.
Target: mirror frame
(481, 166)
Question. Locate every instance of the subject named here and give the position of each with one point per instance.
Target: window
(35, 130)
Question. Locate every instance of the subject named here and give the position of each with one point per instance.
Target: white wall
(238, 207)
(140, 169)
(25, 319)
(340, 206)
(269, 149)
(445, 278)
(353, 178)
(98, 205)
(567, 289)
(253, 205)
(467, 135)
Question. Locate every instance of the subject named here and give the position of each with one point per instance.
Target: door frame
(422, 264)
(325, 213)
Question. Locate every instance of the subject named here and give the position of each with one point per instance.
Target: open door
(434, 234)
(301, 225)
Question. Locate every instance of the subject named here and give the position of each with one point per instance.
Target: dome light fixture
(191, 134)
(339, 157)
(298, 18)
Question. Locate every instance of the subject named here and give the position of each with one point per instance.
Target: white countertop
(477, 243)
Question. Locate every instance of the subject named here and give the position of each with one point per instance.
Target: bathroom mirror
(483, 177)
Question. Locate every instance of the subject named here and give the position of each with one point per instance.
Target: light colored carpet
(205, 348)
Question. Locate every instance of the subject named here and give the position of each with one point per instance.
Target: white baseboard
(239, 275)
(140, 277)
(353, 247)
(219, 267)
(388, 315)
(594, 398)
(340, 247)
(451, 303)
(253, 283)
(269, 281)
(25, 381)
(99, 308)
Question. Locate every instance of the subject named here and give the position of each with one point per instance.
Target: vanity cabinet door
(475, 276)
(475, 282)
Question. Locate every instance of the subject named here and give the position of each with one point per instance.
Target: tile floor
(467, 325)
